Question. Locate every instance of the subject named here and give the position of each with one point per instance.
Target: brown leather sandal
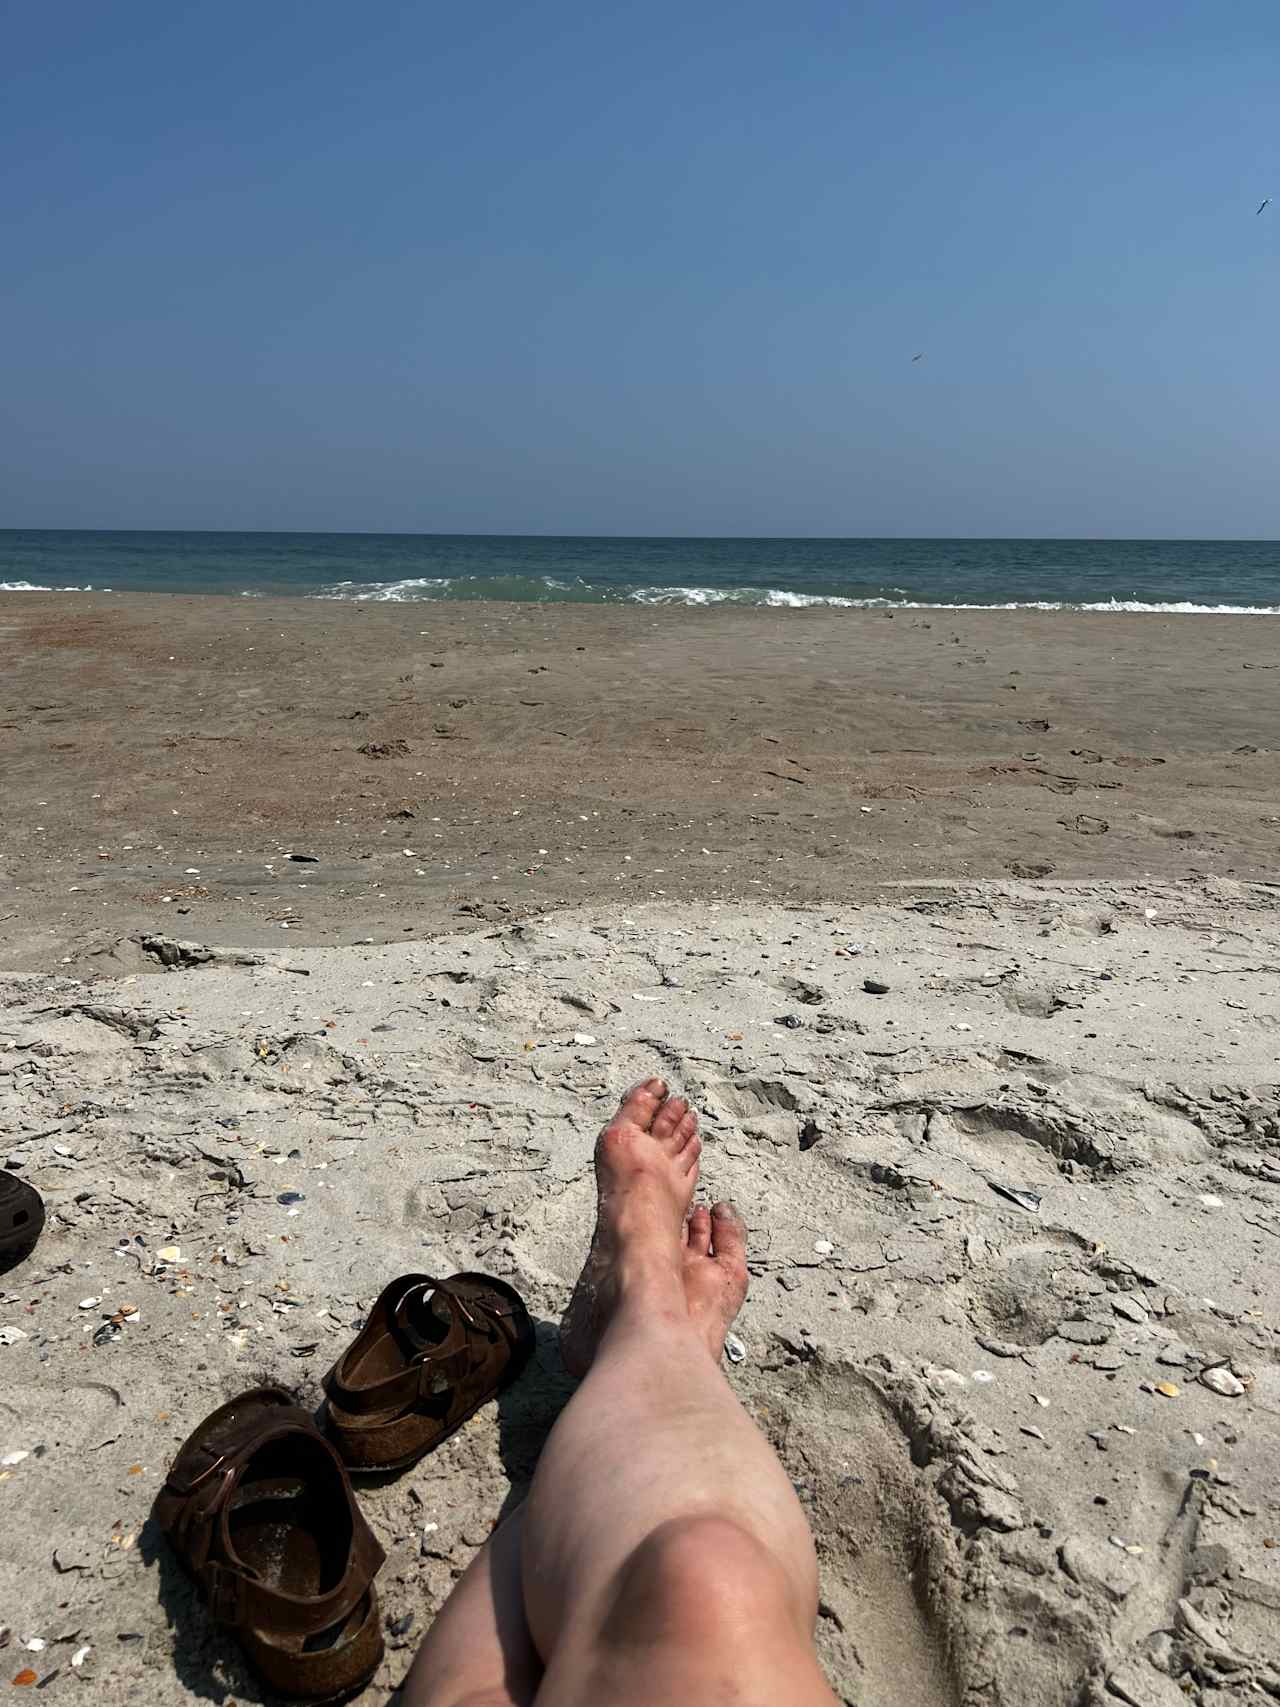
(21, 1219)
(431, 1353)
(258, 1508)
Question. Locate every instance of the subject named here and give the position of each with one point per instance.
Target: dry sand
(997, 1415)
(1036, 1434)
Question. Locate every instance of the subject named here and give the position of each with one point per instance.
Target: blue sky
(641, 269)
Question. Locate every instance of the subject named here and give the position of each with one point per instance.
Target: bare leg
(478, 1651)
(666, 1556)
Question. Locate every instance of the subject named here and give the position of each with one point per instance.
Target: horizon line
(807, 538)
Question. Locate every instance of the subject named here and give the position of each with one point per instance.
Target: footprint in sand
(888, 1588)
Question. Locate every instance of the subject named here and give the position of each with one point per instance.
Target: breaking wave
(34, 587)
(549, 589)
(570, 589)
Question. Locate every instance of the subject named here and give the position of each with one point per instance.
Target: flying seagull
(920, 357)
(1266, 203)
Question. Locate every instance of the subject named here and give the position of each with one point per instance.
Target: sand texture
(535, 756)
(1037, 1435)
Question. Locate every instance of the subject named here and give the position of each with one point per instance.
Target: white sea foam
(772, 598)
(32, 587)
(778, 598)
(394, 592)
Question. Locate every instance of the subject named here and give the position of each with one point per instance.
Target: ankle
(650, 1278)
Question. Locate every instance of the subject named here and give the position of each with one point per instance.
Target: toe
(686, 1129)
(729, 1231)
(667, 1120)
(699, 1226)
(641, 1103)
(688, 1157)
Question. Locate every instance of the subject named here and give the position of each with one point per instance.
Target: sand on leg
(665, 1553)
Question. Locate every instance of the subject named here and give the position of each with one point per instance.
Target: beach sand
(1036, 1433)
(183, 747)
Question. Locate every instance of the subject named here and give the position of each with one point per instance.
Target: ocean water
(1192, 576)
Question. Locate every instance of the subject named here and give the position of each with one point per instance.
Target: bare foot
(715, 1271)
(646, 1174)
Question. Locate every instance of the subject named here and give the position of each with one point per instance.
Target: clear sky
(653, 268)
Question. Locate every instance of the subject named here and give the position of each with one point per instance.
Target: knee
(696, 1579)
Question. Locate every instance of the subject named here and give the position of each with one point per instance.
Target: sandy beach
(440, 758)
(1013, 1324)
(712, 578)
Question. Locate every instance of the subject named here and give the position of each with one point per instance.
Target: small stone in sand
(1220, 1380)
(1129, 1308)
(1084, 1333)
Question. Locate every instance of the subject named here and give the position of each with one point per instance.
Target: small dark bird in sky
(1265, 203)
(920, 357)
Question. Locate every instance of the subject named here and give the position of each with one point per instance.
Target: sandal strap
(433, 1366)
(404, 1318)
(226, 1449)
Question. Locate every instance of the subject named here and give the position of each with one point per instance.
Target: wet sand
(536, 756)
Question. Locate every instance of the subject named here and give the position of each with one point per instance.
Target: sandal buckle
(190, 1485)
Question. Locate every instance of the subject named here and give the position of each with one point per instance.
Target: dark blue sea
(1070, 574)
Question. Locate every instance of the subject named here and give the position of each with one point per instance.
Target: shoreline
(686, 598)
